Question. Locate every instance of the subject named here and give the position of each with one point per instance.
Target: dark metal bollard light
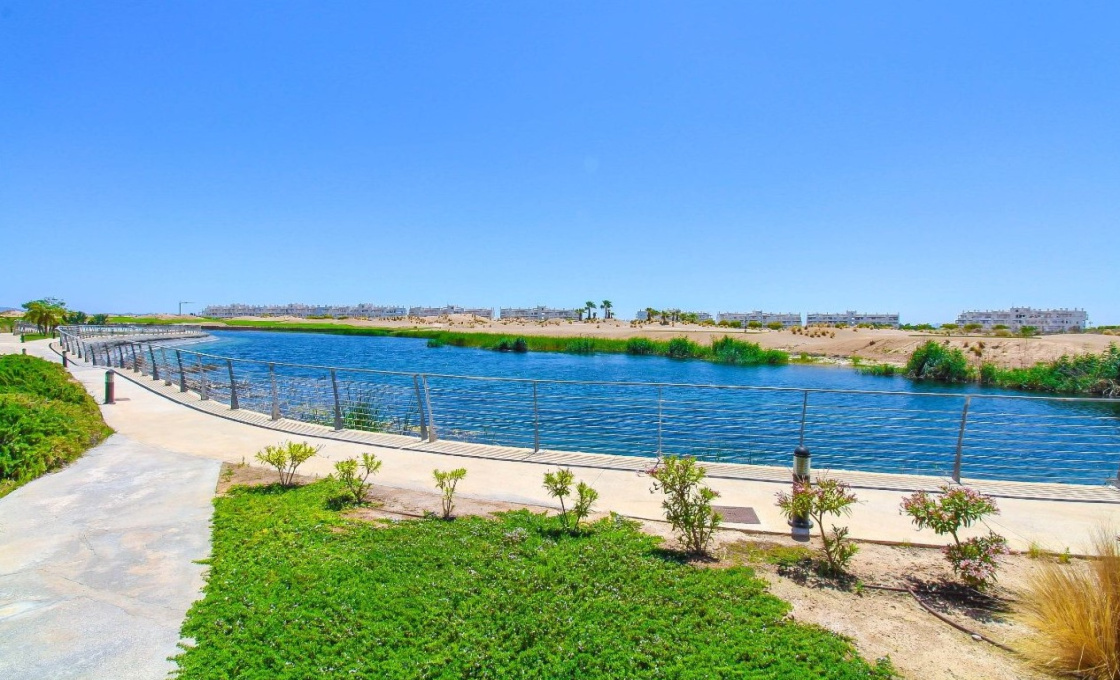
(110, 388)
(65, 362)
(801, 471)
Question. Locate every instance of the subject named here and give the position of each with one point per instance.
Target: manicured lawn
(298, 591)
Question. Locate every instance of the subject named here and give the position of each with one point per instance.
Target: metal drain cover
(737, 514)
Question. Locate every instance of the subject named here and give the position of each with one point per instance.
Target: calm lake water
(913, 431)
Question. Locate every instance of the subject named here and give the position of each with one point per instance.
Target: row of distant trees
(589, 308)
(49, 313)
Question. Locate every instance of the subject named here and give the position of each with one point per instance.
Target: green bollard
(110, 391)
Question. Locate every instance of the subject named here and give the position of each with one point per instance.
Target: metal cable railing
(978, 436)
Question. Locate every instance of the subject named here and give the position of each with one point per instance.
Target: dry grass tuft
(1076, 609)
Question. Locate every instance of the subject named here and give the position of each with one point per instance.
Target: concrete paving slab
(98, 563)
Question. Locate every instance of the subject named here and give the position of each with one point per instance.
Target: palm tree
(580, 311)
(606, 306)
(46, 314)
(590, 306)
(650, 313)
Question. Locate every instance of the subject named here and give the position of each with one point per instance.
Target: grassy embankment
(1086, 374)
(296, 590)
(47, 419)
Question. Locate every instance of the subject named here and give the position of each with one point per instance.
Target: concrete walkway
(97, 563)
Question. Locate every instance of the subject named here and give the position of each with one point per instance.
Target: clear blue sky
(913, 157)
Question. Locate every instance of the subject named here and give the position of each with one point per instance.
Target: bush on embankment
(46, 419)
(1097, 374)
(936, 361)
(1091, 374)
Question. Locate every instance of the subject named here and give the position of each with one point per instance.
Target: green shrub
(352, 473)
(683, 348)
(559, 486)
(46, 419)
(580, 346)
(286, 458)
(518, 345)
(882, 370)
(641, 346)
(22, 374)
(366, 415)
(728, 350)
(446, 481)
(815, 502)
(435, 342)
(1097, 374)
(39, 435)
(954, 508)
(935, 361)
(687, 504)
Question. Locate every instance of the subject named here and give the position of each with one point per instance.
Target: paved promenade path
(97, 563)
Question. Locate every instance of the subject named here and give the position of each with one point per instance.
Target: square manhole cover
(737, 514)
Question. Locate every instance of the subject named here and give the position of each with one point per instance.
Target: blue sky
(919, 158)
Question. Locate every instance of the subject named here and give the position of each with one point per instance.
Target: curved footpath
(96, 561)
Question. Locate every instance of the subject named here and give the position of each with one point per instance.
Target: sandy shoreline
(883, 345)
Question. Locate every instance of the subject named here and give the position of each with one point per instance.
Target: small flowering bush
(353, 473)
(559, 485)
(954, 508)
(815, 501)
(688, 506)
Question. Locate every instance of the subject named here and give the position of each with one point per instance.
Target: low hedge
(47, 420)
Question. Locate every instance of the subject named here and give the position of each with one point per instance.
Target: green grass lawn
(295, 590)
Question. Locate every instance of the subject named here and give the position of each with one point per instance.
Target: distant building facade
(303, 311)
(642, 315)
(851, 318)
(765, 318)
(448, 310)
(539, 313)
(1045, 320)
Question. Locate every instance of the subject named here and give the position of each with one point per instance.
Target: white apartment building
(448, 310)
(641, 315)
(539, 313)
(851, 318)
(1045, 320)
(765, 318)
(301, 310)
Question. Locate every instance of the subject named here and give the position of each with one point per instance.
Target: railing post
(120, 355)
(167, 374)
(108, 356)
(155, 366)
(960, 441)
(337, 403)
(274, 392)
(420, 407)
(536, 421)
(91, 354)
(182, 373)
(428, 402)
(232, 386)
(659, 421)
(135, 360)
(203, 388)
